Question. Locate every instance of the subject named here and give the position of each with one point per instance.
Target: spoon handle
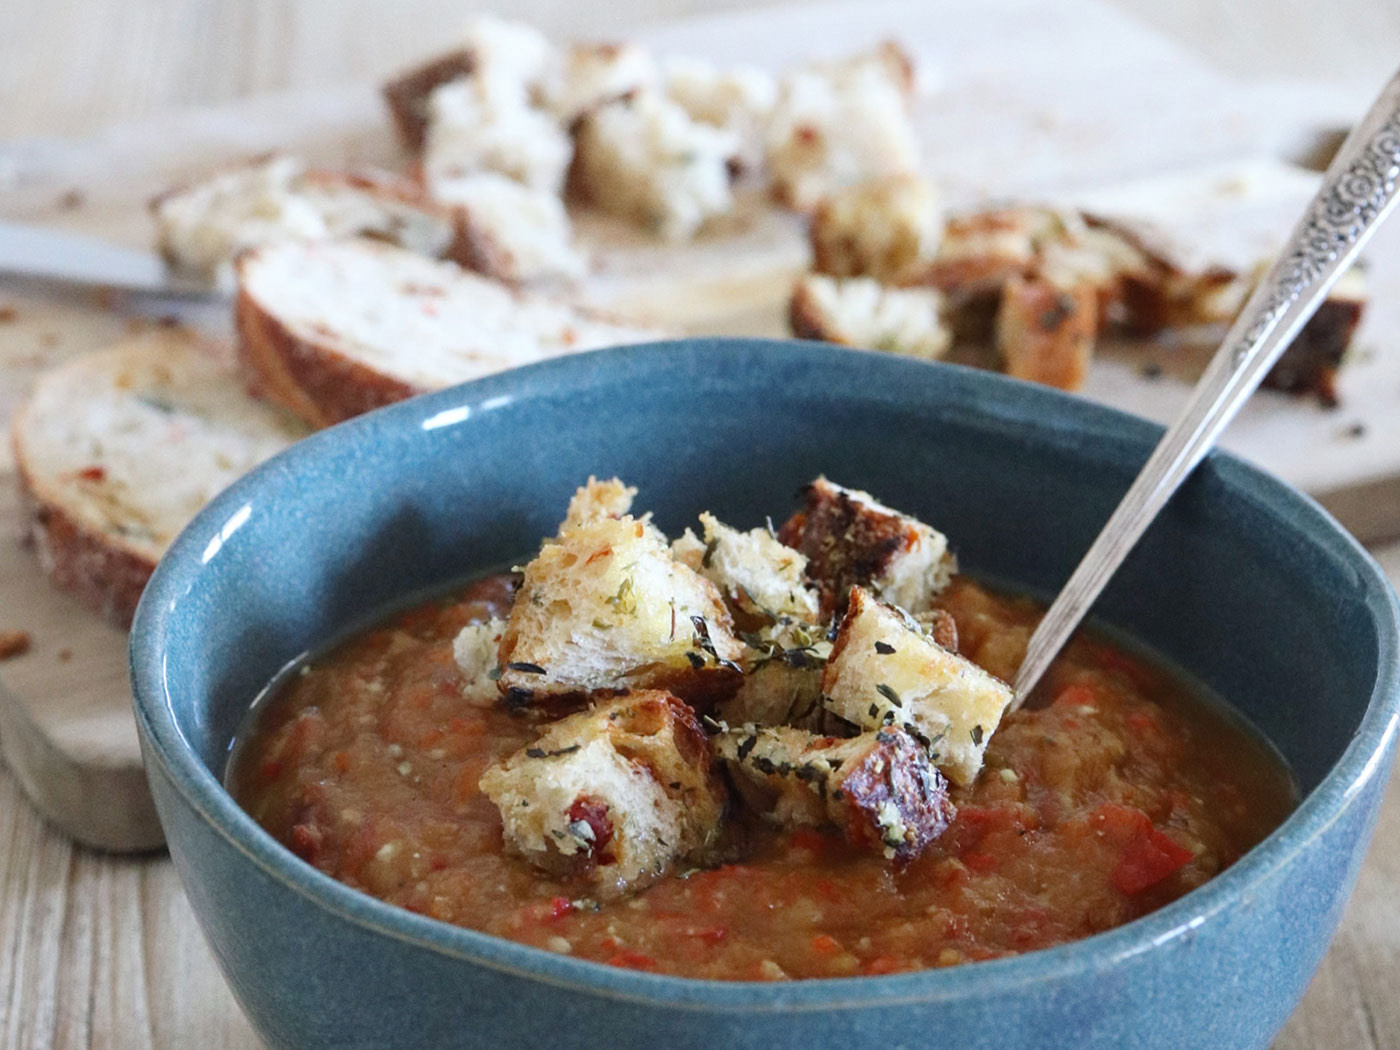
(1357, 193)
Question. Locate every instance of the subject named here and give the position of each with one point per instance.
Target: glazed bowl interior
(1243, 582)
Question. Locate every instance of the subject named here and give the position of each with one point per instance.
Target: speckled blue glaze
(1244, 581)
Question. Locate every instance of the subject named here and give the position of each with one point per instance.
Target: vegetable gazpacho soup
(751, 755)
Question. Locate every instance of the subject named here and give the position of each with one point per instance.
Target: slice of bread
(330, 330)
(118, 449)
(201, 227)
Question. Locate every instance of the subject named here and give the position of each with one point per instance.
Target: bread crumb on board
(14, 643)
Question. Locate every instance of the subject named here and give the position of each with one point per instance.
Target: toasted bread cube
(840, 124)
(782, 685)
(1045, 333)
(474, 650)
(597, 500)
(759, 575)
(592, 75)
(507, 230)
(852, 539)
(886, 228)
(1310, 364)
(642, 157)
(878, 788)
(980, 251)
(859, 311)
(606, 607)
(477, 126)
(615, 795)
(884, 671)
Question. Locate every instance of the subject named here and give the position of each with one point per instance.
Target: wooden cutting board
(1068, 101)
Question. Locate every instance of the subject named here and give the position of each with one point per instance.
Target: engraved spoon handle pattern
(1357, 193)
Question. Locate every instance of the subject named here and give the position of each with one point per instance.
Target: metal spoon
(1357, 193)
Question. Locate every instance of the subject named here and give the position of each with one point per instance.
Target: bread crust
(407, 94)
(316, 383)
(101, 570)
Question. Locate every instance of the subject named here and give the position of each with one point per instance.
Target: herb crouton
(782, 676)
(883, 671)
(596, 500)
(838, 124)
(615, 795)
(851, 539)
(474, 651)
(605, 607)
(756, 572)
(878, 788)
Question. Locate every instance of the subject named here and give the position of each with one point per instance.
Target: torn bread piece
(333, 329)
(861, 312)
(591, 75)
(598, 500)
(1045, 332)
(758, 574)
(886, 228)
(407, 94)
(884, 671)
(508, 230)
(605, 607)
(202, 226)
(851, 539)
(878, 788)
(474, 651)
(840, 124)
(511, 56)
(615, 796)
(643, 158)
(117, 449)
(782, 665)
(474, 126)
(737, 99)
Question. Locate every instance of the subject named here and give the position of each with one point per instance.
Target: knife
(46, 254)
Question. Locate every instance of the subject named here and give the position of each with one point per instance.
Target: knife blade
(46, 254)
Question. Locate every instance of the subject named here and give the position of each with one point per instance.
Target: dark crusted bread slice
(118, 449)
(333, 329)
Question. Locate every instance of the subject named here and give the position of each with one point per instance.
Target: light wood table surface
(99, 951)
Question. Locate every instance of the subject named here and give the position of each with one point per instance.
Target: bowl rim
(1042, 409)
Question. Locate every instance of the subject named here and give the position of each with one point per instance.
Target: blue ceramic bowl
(1243, 581)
